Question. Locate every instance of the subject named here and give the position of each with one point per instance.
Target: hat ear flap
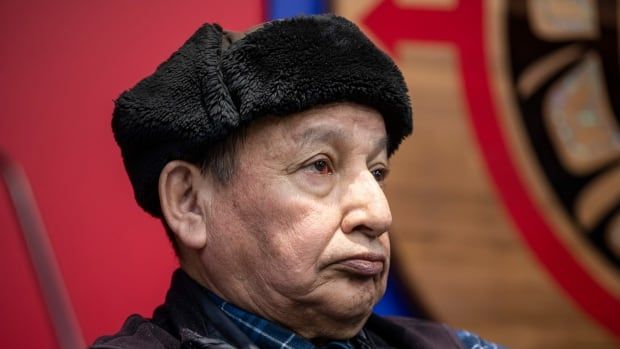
(221, 111)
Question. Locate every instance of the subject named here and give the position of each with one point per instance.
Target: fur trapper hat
(218, 81)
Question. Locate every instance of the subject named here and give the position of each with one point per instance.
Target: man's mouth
(365, 265)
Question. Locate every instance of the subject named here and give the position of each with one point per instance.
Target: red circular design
(430, 25)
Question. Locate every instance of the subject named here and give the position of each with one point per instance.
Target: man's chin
(340, 308)
(353, 300)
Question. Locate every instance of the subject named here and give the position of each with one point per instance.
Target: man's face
(299, 235)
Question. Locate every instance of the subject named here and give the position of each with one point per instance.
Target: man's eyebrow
(380, 145)
(325, 134)
(320, 134)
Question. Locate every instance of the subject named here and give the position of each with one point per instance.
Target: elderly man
(264, 154)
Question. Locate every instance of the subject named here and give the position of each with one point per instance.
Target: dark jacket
(181, 323)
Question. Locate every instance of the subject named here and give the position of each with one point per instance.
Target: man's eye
(379, 174)
(321, 166)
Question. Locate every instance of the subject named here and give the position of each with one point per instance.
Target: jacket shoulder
(138, 332)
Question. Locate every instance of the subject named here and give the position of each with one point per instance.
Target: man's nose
(365, 206)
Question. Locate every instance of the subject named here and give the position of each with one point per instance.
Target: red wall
(62, 63)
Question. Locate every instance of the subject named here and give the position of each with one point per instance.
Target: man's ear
(179, 186)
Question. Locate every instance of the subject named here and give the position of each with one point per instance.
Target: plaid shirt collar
(266, 334)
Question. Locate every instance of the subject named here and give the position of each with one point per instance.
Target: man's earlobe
(179, 185)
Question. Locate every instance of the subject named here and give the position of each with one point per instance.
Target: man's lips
(366, 264)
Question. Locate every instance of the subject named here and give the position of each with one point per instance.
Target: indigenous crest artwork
(567, 88)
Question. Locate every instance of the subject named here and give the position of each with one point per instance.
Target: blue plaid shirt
(473, 341)
(266, 334)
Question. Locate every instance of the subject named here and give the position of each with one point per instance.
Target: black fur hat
(218, 81)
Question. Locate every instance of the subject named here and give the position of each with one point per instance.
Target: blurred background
(506, 200)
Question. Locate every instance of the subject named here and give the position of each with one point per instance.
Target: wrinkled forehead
(336, 123)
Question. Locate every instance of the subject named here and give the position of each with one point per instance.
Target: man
(265, 154)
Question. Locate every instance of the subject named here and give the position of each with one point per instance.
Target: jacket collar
(186, 317)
